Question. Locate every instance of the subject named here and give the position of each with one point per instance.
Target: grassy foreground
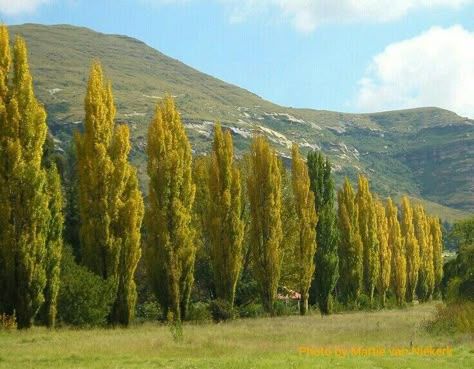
(256, 343)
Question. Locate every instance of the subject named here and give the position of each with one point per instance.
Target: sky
(341, 55)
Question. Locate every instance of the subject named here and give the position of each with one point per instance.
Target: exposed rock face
(425, 152)
(445, 172)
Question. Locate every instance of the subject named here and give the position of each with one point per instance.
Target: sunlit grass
(252, 343)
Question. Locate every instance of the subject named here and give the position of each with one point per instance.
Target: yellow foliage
(171, 249)
(305, 247)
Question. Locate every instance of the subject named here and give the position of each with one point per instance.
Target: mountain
(426, 152)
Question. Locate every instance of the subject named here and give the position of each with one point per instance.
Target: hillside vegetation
(426, 152)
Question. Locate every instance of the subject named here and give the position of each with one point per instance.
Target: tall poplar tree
(54, 245)
(110, 203)
(306, 227)
(395, 242)
(126, 226)
(264, 191)
(368, 232)
(224, 224)
(99, 250)
(426, 273)
(411, 247)
(203, 275)
(326, 258)
(289, 274)
(385, 252)
(24, 198)
(350, 245)
(437, 239)
(170, 238)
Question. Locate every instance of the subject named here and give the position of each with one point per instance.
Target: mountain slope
(425, 152)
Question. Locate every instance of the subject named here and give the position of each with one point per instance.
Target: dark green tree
(326, 258)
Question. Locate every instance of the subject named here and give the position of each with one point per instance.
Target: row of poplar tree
(232, 211)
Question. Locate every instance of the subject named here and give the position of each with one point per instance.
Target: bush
(7, 322)
(252, 310)
(283, 308)
(466, 289)
(221, 310)
(363, 302)
(452, 290)
(148, 311)
(84, 298)
(199, 312)
(453, 318)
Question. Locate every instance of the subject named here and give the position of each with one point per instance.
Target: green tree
(171, 250)
(110, 204)
(264, 190)
(395, 242)
(350, 245)
(437, 239)
(203, 275)
(307, 218)
(411, 247)
(463, 232)
(426, 273)
(24, 197)
(54, 246)
(289, 256)
(247, 287)
(223, 217)
(385, 252)
(326, 258)
(368, 231)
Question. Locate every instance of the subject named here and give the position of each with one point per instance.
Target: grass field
(255, 343)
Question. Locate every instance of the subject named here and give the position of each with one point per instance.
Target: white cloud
(17, 7)
(306, 15)
(435, 68)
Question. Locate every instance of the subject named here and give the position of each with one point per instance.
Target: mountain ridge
(397, 149)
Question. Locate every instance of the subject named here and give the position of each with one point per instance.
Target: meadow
(246, 343)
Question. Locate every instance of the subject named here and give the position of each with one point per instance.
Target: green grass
(254, 343)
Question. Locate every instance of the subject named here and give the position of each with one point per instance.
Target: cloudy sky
(343, 55)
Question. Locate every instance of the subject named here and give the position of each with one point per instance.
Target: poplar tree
(126, 226)
(385, 252)
(350, 245)
(203, 274)
(426, 272)
(411, 247)
(368, 231)
(225, 226)
(264, 191)
(326, 258)
(110, 203)
(306, 227)
(395, 242)
(170, 238)
(437, 239)
(54, 246)
(24, 197)
(99, 250)
(289, 274)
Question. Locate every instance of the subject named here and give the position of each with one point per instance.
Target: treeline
(214, 227)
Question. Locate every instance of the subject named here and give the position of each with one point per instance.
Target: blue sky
(343, 55)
